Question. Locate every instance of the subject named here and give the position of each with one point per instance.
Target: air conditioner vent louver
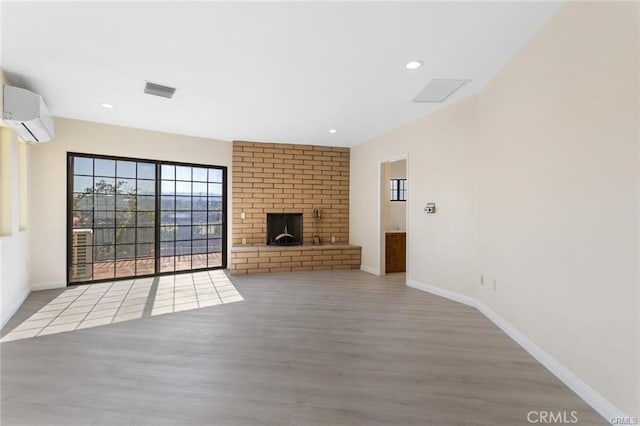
(82, 255)
(159, 90)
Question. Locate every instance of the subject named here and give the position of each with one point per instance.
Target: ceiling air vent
(438, 90)
(159, 90)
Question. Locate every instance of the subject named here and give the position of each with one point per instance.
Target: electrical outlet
(481, 279)
(243, 215)
(244, 241)
(495, 286)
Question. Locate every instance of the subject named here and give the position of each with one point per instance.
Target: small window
(398, 189)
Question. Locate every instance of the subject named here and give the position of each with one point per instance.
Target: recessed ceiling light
(413, 65)
(107, 106)
(333, 131)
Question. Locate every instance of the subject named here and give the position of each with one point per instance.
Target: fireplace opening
(284, 229)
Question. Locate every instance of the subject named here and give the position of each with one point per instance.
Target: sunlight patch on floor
(177, 293)
(106, 303)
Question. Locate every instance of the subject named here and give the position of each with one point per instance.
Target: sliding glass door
(191, 222)
(131, 217)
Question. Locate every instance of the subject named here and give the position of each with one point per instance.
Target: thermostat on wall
(430, 208)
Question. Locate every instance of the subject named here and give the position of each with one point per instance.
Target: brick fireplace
(284, 229)
(295, 179)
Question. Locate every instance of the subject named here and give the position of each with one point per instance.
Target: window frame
(398, 189)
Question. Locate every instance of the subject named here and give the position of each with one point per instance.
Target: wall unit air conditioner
(27, 114)
(82, 255)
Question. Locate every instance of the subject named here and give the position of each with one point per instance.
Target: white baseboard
(598, 402)
(7, 314)
(456, 297)
(369, 269)
(48, 285)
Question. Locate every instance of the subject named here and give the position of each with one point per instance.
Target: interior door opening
(133, 217)
(394, 193)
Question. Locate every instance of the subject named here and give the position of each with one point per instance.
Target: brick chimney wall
(285, 178)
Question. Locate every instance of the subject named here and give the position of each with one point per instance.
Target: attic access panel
(438, 90)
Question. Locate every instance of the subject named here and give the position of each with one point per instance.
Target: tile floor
(122, 267)
(105, 303)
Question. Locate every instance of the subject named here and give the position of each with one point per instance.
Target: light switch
(243, 215)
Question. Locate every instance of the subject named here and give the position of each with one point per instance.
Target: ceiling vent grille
(438, 90)
(159, 90)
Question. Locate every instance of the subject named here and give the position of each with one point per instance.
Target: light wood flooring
(312, 348)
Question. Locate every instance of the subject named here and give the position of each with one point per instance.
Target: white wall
(14, 282)
(441, 248)
(638, 252)
(558, 180)
(48, 180)
(395, 212)
(536, 180)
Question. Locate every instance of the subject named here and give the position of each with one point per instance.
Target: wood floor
(146, 265)
(313, 348)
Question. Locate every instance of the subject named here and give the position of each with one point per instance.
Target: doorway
(131, 217)
(394, 198)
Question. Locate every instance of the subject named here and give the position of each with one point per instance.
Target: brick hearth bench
(260, 259)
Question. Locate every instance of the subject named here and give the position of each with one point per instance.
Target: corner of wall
(14, 276)
(598, 402)
(514, 173)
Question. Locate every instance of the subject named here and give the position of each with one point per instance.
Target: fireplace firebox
(284, 229)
